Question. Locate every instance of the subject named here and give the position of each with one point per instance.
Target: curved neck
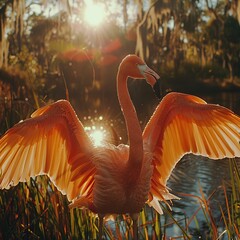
(132, 123)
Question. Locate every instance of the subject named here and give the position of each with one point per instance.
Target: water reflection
(226, 99)
(194, 177)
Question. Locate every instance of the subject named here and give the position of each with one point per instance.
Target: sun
(94, 13)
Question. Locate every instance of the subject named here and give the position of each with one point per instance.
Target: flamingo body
(118, 179)
(116, 190)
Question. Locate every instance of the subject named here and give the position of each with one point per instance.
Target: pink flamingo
(118, 179)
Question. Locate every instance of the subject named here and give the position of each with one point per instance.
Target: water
(199, 176)
(193, 177)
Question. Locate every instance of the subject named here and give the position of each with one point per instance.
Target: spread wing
(186, 124)
(52, 142)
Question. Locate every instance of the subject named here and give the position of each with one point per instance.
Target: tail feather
(166, 196)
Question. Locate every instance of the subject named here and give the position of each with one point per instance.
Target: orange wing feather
(52, 142)
(186, 124)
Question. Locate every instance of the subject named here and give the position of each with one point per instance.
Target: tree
(11, 20)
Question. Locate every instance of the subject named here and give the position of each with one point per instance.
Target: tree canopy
(51, 43)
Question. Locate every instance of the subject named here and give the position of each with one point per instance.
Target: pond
(193, 177)
(196, 175)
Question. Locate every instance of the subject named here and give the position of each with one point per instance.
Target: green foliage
(36, 210)
(214, 71)
(232, 30)
(233, 221)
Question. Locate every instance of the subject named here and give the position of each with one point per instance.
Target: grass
(36, 210)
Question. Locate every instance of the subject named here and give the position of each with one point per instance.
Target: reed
(232, 219)
(36, 210)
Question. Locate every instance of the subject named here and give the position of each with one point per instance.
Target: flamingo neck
(132, 123)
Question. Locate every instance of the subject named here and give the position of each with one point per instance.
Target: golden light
(94, 13)
(97, 137)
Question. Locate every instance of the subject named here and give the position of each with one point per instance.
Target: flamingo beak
(157, 88)
(152, 78)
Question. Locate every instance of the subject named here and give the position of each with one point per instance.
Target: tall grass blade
(185, 234)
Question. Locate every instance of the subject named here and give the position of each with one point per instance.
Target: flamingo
(119, 179)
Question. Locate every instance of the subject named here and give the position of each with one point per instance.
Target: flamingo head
(136, 68)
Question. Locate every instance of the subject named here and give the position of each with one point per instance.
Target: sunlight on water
(193, 178)
(97, 133)
(98, 137)
(97, 129)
